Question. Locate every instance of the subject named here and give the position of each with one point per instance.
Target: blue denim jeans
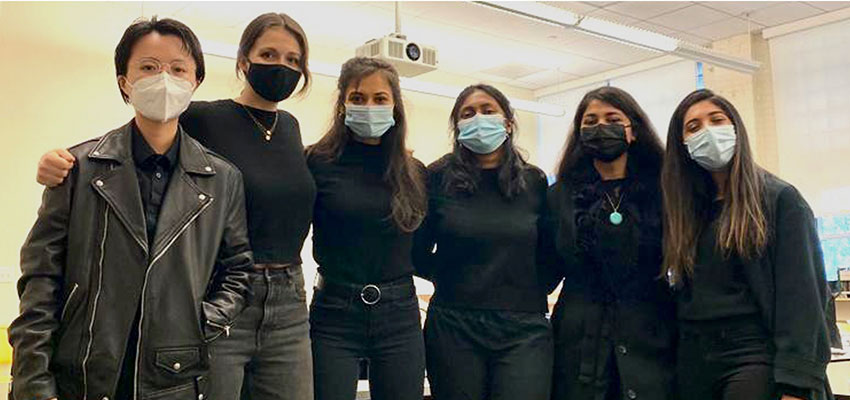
(267, 355)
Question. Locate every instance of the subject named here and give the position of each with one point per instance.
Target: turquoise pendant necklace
(615, 217)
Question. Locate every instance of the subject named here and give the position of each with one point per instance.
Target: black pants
(387, 335)
(725, 360)
(494, 355)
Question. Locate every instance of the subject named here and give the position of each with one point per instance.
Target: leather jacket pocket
(178, 360)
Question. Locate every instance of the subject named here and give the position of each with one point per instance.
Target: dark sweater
(486, 243)
(718, 288)
(279, 191)
(611, 263)
(355, 239)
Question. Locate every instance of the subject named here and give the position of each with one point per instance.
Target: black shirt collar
(144, 155)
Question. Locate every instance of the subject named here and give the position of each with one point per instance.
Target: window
(700, 77)
(834, 232)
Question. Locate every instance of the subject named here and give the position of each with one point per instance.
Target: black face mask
(273, 82)
(604, 142)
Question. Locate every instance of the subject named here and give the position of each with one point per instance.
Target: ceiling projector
(408, 57)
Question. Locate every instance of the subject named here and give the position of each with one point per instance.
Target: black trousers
(488, 355)
(725, 360)
(387, 335)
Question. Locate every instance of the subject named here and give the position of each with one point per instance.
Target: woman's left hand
(787, 397)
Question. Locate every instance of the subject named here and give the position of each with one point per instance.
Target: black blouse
(355, 239)
(718, 288)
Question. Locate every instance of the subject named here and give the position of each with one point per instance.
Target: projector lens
(413, 51)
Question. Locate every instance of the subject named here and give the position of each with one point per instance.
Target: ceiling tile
(583, 66)
(610, 16)
(689, 18)
(523, 84)
(488, 20)
(693, 39)
(613, 52)
(784, 12)
(726, 28)
(600, 3)
(738, 7)
(829, 5)
(494, 23)
(480, 76)
(577, 7)
(545, 78)
(646, 9)
(513, 70)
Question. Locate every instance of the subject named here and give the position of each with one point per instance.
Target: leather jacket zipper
(144, 290)
(68, 302)
(96, 298)
(224, 328)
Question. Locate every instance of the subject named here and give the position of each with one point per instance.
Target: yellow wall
(57, 88)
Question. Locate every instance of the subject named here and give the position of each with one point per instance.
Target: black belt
(369, 294)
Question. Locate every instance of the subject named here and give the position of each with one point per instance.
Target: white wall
(811, 77)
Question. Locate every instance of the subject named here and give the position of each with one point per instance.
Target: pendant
(268, 136)
(616, 218)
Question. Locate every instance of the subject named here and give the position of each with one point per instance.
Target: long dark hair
(263, 22)
(403, 174)
(688, 192)
(461, 166)
(645, 153)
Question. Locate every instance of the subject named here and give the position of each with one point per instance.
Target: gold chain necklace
(267, 133)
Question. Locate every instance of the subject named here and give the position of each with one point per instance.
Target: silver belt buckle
(363, 294)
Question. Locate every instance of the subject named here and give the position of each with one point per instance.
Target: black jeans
(387, 334)
(484, 354)
(727, 359)
(267, 355)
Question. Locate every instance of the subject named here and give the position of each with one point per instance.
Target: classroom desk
(838, 372)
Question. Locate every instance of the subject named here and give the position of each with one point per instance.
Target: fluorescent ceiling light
(588, 25)
(225, 50)
(627, 34)
(536, 11)
(716, 58)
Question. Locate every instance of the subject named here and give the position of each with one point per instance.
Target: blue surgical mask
(713, 146)
(482, 134)
(369, 121)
